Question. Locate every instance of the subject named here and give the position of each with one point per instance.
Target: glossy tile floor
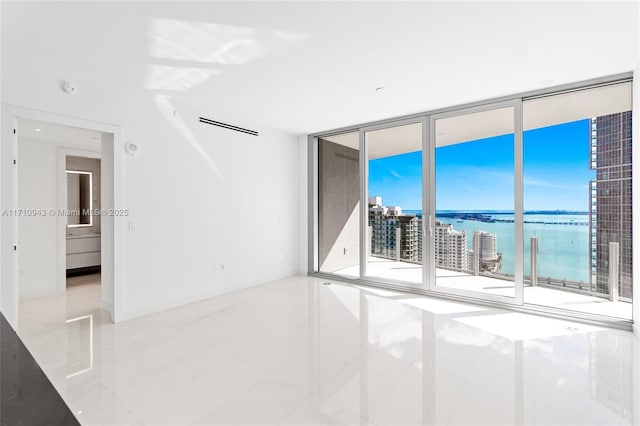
(26, 395)
(296, 351)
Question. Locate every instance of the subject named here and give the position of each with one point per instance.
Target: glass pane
(339, 205)
(577, 201)
(474, 181)
(394, 231)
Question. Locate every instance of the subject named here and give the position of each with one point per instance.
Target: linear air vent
(228, 126)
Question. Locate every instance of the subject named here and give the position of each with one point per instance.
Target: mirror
(79, 198)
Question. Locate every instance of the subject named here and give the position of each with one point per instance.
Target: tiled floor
(297, 351)
(83, 279)
(26, 395)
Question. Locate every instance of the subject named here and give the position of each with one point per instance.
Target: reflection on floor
(543, 296)
(298, 351)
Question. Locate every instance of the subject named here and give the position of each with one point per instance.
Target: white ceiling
(55, 132)
(304, 67)
(540, 112)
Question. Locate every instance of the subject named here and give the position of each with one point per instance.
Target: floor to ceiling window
(577, 200)
(394, 203)
(474, 246)
(525, 201)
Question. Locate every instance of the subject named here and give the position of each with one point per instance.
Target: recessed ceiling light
(37, 130)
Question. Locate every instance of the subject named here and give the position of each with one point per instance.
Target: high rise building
(383, 231)
(610, 213)
(489, 259)
(450, 247)
(488, 246)
(410, 238)
(387, 224)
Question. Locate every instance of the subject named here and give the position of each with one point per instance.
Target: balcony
(547, 293)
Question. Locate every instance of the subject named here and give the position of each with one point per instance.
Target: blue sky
(478, 175)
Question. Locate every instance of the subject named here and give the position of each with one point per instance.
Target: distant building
(383, 231)
(450, 247)
(385, 222)
(488, 246)
(610, 213)
(375, 201)
(410, 238)
(394, 211)
(490, 260)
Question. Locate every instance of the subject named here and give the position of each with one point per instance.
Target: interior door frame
(430, 206)
(9, 283)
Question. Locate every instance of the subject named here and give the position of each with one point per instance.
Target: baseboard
(106, 306)
(203, 296)
(83, 271)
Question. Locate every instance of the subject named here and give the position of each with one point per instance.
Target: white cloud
(396, 174)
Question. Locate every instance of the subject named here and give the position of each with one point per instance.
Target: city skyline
(478, 175)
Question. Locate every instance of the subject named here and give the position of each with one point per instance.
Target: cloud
(542, 183)
(396, 174)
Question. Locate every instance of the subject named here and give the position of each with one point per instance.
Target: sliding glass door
(474, 209)
(392, 213)
(577, 201)
(525, 202)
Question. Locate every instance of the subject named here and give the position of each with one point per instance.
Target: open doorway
(64, 187)
(83, 236)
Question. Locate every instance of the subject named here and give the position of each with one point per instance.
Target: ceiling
(464, 127)
(303, 67)
(55, 132)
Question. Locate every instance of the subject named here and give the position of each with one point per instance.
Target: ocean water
(563, 242)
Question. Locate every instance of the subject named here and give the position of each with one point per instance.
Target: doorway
(83, 204)
(64, 184)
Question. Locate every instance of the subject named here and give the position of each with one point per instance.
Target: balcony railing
(530, 280)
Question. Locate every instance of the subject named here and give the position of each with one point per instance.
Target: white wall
(202, 196)
(108, 257)
(8, 289)
(198, 196)
(38, 235)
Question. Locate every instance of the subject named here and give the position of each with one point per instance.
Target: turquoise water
(563, 246)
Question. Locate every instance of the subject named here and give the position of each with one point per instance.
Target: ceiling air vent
(228, 126)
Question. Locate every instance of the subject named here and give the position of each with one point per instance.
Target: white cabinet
(83, 251)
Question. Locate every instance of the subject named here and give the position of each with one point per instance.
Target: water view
(563, 241)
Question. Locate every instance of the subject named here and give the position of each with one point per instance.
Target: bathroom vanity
(83, 251)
